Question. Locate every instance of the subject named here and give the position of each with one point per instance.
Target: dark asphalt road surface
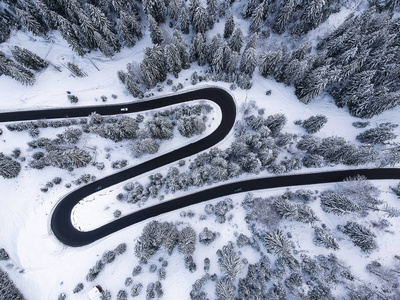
(61, 216)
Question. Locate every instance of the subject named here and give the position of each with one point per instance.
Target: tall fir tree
(248, 62)
(155, 33)
(200, 19)
(236, 41)
(229, 26)
(283, 16)
(198, 49)
(172, 59)
(212, 8)
(257, 19)
(184, 20)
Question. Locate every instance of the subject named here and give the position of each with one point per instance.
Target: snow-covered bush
(360, 236)
(78, 288)
(314, 123)
(9, 168)
(337, 204)
(207, 236)
(8, 290)
(229, 261)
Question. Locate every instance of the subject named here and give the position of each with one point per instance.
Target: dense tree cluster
(334, 150)
(9, 168)
(229, 262)
(85, 25)
(360, 235)
(8, 290)
(378, 135)
(107, 257)
(10, 68)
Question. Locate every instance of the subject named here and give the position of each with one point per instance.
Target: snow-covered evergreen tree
(153, 66)
(236, 41)
(269, 61)
(155, 33)
(248, 62)
(229, 26)
(200, 21)
(173, 59)
(184, 20)
(29, 59)
(314, 123)
(257, 18)
(9, 168)
(187, 241)
(282, 19)
(155, 8)
(224, 289)
(198, 49)
(229, 261)
(337, 204)
(360, 236)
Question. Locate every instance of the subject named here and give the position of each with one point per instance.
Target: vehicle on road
(124, 109)
(98, 188)
(237, 190)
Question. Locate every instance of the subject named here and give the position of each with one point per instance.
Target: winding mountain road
(61, 217)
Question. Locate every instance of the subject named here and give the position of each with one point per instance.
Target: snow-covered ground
(42, 267)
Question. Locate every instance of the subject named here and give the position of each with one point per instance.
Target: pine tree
(29, 59)
(360, 236)
(224, 289)
(155, 8)
(180, 44)
(184, 21)
(193, 5)
(128, 28)
(252, 42)
(337, 204)
(221, 58)
(236, 41)
(198, 49)
(283, 16)
(212, 48)
(276, 242)
(212, 8)
(249, 8)
(29, 21)
(187, 241)
(102, 44)
(257, 18)
(105, 25)
(87, 29)
(172, 59)
(229, 26)
(67, 31)
(314, 123)
(155, 33)
(173, 9)
(248, 62)
(153, 66)
(200, 19)
(312, 85)
(313, 14)
(229, 261)
(269, 62)
(9, 168)
(322, 238)
(132, 86)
